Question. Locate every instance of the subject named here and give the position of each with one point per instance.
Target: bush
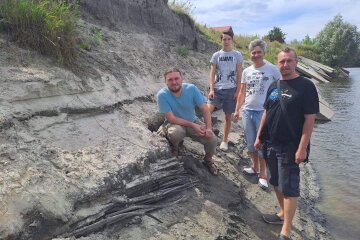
(308, 40)
(84, 46)
(276, 34)
(97, 36)
(182, 51)
(181, 6)
(209, 34)
(273, 49)
(48, 26)
(307, 51)
(338, 43)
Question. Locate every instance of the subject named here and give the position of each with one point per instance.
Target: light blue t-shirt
(225, 74)
(183, 106)
(257, 82)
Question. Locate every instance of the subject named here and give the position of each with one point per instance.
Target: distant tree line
(337, 44)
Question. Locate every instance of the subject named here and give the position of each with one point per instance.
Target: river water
(335, 154)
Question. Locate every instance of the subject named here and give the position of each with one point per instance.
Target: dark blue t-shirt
(300, 97)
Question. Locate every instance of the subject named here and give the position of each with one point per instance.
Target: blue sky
(297, 18)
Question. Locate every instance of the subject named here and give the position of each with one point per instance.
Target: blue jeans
(251, 121)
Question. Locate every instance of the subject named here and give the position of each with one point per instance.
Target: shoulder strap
(283, 109)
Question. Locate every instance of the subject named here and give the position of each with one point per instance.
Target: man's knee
(211, 107)
(228, 117)
(175, 133)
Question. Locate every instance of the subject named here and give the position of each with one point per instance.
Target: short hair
(288, 50)
(227, 32)
(170, 70)
(258, 43)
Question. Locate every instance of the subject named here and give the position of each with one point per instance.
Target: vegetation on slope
(48, 26)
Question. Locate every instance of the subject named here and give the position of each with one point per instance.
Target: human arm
(239, 69)
(207, 119)
(311, 108)
(308, 126)
(239, 101)
(171, 118)
(212, 80)
(257, 143)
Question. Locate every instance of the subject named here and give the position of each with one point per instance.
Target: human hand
(209, 133)
(236, 116)
(200, 130)
(300, 155)
(211, 94)
(257, 144)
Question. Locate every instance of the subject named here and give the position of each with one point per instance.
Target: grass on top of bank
(48, 26)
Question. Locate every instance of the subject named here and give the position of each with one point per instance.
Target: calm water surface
(336, 157)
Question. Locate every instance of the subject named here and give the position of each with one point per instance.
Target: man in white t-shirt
(255, 82)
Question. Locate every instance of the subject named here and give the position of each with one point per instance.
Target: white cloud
(297, 18)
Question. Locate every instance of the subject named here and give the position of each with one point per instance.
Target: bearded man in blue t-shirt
(177, 102)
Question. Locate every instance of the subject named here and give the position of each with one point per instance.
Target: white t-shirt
(257, 82)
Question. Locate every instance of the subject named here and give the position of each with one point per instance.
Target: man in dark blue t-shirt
(287, 138)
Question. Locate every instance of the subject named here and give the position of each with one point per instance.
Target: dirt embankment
(78, 148)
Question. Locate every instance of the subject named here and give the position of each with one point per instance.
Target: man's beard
(286, 72)
(175, 90)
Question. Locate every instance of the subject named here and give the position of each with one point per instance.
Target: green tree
(338, 43)
(276, 34)
(308, 40)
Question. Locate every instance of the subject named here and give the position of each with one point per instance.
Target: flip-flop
(250, 171)
(213, 169)
(272, 219)
(283, 237)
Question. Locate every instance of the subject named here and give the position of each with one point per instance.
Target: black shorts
(224, 99)
(284, 172)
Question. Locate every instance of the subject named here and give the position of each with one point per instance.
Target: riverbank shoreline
(335, 152)
(229, 206)
(311, 197)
